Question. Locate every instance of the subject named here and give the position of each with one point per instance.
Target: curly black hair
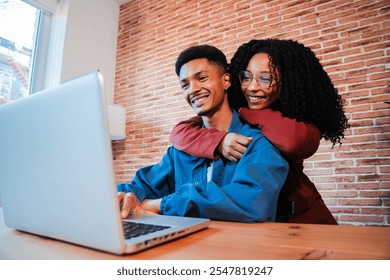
(211, 53)
(304, 89)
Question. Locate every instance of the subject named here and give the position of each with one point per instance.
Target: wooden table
(223, 241)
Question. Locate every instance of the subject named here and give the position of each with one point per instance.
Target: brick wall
(351, 38)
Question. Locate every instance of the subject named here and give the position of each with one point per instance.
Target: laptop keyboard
(132, 229)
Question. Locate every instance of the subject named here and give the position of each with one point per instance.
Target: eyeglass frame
(258, 81)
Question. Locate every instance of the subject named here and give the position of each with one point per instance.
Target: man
(185, 185)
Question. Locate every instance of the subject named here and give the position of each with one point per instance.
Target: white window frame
(45, 71)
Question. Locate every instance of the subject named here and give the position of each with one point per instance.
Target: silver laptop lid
(49, 165)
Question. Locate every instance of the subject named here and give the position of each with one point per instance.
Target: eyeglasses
(264, 80)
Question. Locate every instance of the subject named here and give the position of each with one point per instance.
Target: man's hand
(129, 203)
(233, 146)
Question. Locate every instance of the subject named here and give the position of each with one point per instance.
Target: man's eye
(203, 78)
(184, 86)
(246, 78)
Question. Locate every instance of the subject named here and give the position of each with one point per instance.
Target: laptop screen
(56, 168)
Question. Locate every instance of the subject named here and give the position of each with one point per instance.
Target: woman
(280, 86)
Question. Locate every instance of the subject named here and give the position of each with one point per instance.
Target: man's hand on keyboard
(129, 203)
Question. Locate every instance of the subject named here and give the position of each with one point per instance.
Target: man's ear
(226, 80)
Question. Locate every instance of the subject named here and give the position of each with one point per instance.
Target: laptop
(57, 177)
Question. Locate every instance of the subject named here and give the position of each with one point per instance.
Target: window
(20, 33)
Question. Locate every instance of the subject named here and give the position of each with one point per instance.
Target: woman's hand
(233, 146)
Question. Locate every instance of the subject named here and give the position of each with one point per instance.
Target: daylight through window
(19, 23)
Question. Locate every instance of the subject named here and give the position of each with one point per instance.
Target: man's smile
(199, 100)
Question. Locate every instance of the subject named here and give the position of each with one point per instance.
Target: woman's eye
(265, 79)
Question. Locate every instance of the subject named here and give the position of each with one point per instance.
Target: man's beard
(209, 112)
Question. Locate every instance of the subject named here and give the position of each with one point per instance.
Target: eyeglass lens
(263, 79)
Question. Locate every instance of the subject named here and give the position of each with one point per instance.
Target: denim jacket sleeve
(152, 182)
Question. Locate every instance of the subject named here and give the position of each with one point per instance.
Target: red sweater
(299, 200)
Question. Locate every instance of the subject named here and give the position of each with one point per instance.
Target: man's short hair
(211, 53)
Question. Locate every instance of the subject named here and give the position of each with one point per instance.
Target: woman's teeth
(255, 98)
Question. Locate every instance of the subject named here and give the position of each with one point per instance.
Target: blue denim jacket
(244, 191)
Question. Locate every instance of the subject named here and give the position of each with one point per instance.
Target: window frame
(41, 66)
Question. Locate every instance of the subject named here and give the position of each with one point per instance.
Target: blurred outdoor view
(18, 25)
